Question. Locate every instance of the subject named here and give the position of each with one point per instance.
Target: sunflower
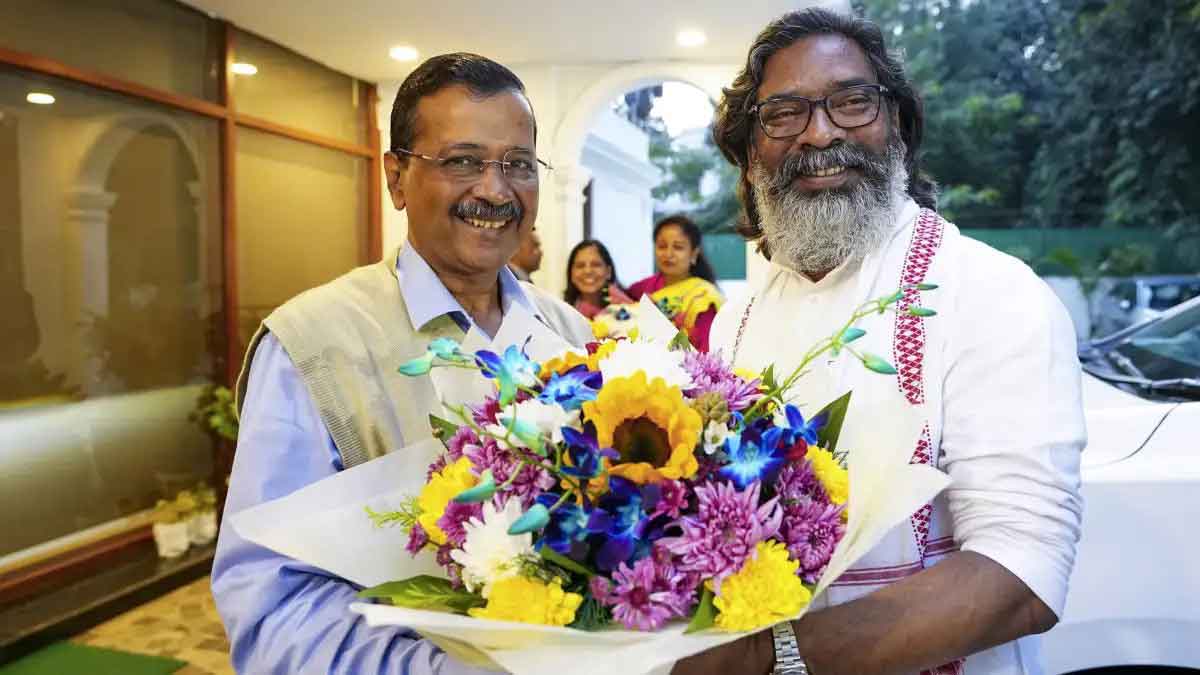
(572, 358)
(650, 426)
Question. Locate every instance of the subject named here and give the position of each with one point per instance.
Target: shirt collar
(427, 298)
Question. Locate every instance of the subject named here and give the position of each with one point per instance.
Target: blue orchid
(584, 453)
(617, 524)
(567, 528)
(753, 456)
(511, 370)
(802, 429)
(447, 349)
(572, 389)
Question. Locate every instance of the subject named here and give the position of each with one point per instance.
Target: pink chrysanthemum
(798, 483)
(488, 413)
(811, 532)
(459, 441)
(455, 517)
(710, 374)
(727, 526)
(417, 539)
(672, 500)
(531, 481)
(649, 594)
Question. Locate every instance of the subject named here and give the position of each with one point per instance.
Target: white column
(88, 211)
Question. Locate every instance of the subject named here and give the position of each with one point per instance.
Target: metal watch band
(787, 653)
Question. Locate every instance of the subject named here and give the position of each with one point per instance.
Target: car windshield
(1166, 296)
(1166, 349)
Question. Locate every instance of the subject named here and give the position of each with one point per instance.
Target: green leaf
(591, 615)
(566, 563)
(442, 429)
(921, 311)
(705, 615)
(827, 437)
(424, 592)
(481, 492)
(534, 519)
(680, 342)
(877, 364)
(850, 335)
(768, 378)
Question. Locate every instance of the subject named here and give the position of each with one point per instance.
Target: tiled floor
(182, 624)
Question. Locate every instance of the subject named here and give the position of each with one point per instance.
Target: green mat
(65, 658)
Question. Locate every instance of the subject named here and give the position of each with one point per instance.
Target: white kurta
(998, 379)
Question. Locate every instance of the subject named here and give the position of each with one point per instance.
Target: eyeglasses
(849, 108)
(518, 166)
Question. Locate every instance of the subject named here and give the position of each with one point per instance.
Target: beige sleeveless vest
(348, 337)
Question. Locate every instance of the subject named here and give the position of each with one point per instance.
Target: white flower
(653, 359)
(714, 436)
(547, 418)
(489, 553)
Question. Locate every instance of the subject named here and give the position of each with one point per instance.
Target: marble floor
(182, 624)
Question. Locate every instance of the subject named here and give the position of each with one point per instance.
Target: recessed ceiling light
(403, 53)
(244, 68)
(690, 38)
(39, 97)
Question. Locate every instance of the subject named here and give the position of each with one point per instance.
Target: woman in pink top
(592, 279)
(684, 287)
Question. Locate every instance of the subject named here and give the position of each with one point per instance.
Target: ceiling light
(403, 53)
(690, 38)
(244, 68)
(39, 97)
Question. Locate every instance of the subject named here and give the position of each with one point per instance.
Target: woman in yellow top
(684, 286)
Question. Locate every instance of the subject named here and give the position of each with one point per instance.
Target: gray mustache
(849, 155)
(485, 211)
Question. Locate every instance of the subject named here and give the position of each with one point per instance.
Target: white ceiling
(354, 36)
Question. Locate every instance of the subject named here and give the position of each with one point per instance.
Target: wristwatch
(787, 654)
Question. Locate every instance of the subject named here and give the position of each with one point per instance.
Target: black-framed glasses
(849, 108)
(518, 166)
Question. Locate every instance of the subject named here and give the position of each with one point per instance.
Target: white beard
(815, 233)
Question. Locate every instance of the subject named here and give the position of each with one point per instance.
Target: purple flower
(417, 539)
(459, 441)
(488, 413)
(602, 590)
(721, 536)
(649, 594)
(710, 373)
(811, 531)
(455, 518)
(530, 481)
(797, 483)
(672, 499)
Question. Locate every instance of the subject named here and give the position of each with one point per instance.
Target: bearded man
(826, 131)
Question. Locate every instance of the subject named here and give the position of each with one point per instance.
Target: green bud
(921, 311)
(533, 519)
(481, 492)
(927, 287)
(893, 298)
(877, 364)
(418, 366)
(850, 335)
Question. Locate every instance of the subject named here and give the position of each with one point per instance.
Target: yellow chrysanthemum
(649, 425)
(561, 364)
(437, 493)
(831, 474)
(599, 329)
(764, 592)
(529, 601)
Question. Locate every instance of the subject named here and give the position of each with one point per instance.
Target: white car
(1135, 594)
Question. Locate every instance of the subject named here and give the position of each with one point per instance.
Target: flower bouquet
(636, 503)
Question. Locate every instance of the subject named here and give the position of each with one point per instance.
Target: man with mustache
(826, 131)
(320, 391)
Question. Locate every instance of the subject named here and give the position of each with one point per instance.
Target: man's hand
(750, 655)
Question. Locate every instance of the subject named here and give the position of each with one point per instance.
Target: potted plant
(170, 528)
(202, 526)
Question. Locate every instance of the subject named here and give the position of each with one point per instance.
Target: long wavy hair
(733, 126)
